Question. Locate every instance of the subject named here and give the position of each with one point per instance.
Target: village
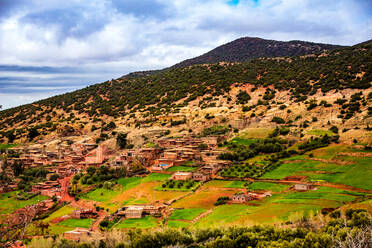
(68, 160)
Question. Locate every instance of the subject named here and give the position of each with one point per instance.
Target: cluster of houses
(175, 152)
(249, 196)
(66, 161)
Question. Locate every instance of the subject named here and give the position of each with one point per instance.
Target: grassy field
(224, 215)
(9, 204)
(156, 177)
(267, 186)
(320, 132)
(177, 224)
(207, 195)
(236, 184)
(356, 175)
(65, 210)
(242, 141)
(186, 214)
(255, 133)
(85, 223)
(182, 168)
(7, 146)
(102, 195)
(146, 222)
(129, 182)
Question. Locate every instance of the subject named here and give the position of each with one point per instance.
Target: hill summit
(247, 48)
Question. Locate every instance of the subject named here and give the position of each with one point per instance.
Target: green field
(156, 177)
(102, 195)
(242, 141)
(320, 132)
(236, 184)
(267, 186)
(9, 204)
(356, 175)
(177, 224)
(319, 196)
(7, 146)
(85, 223)
(146, 222)
(129, 182)
(186, 214)
(224, 215)
(181, 168)
(65, 210)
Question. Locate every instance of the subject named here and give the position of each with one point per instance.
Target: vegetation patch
(85, 223)
(145, 222)
(181, 168)
(9, 202)
(179, 185)
(186, 214)
(177, 224)
(267, 186)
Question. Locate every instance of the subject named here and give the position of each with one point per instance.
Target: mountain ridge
(247, 48)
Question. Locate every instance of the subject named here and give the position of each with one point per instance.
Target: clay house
(241, 198)
(212, 168)
(200, 177)
(303, 187)
(212, 141)
(96, 157)
(138, 211)
(48, 188)
(134, 212)
(182, 176)
(84, 214)
(163, 163)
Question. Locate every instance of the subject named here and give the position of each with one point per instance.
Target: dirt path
(65, 196)
(95, 226)
(202, 215)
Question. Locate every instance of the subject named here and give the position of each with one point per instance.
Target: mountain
(139, 101)
(244, 49)
(247, 48)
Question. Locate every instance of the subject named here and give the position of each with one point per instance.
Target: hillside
(247, 48)
(197, 156)
(244, 49)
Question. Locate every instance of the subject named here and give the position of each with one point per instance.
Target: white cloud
(106, 40)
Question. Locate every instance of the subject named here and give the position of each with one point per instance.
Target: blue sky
(51, 47)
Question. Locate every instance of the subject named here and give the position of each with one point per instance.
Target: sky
(51, 47)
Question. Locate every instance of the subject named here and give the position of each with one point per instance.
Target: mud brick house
(96, 157)
(303, 187)
(138, 211)
(241, 198)
(200, 177)
(212, 168)
(212, 141)
(184, 153)
(182, 176)
(134, 212)
(48, 188)
(250, 196)
(84, 214)
(209, 156)
(149, 154)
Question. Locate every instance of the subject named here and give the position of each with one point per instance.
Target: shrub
(278, 120)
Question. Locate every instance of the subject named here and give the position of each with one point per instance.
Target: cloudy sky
(50, 47)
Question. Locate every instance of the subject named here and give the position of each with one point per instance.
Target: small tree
(121, 140)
